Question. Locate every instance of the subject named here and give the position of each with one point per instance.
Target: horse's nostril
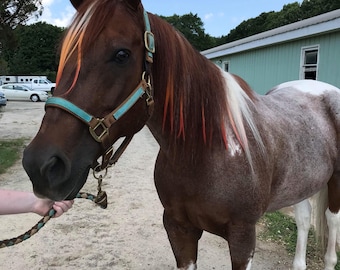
(56, 170)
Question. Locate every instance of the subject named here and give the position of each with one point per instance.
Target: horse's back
(300, 121)
(315, 96)
(306, 86)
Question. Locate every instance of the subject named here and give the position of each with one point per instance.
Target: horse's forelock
(88, 23)
(73, 39)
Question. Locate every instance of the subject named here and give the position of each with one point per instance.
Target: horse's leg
(303, 222)
(241, 239)
(184, 242)
(333, 220)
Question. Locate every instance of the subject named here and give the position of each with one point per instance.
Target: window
(225, 66)
(309, 62)
(18, 87)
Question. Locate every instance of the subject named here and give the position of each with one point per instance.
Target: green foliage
(3, 66)
(36, 51)
(191, 26)
(9, 153)
(12, 14)
(16, 12)
(310, 8)
(290, 13)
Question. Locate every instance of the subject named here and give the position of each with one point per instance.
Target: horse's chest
(208, 198)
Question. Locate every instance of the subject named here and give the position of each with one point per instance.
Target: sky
(218, 16)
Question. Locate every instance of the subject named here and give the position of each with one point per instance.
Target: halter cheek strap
(149, 39)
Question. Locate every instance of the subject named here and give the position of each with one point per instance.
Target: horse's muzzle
(51, 173)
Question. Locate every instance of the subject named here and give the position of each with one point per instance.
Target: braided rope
(100, 199)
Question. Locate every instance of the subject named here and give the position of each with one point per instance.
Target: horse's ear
(133, 3)
(76, 3)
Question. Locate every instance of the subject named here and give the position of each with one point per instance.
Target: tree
(290, 13)
(3, 66)
(15, 12)
(249, 27)
(312, 8)
(191, 26)
(37, 49)
(12, 14)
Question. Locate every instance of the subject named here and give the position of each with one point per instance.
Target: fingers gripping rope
(100, 199)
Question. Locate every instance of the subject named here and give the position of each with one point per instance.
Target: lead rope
(100, 199)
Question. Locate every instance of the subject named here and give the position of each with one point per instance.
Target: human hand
(42, 206)
(62, 207)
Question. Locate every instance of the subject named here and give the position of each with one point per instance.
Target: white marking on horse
(191, 266)
(234, 148)
(312, 87)
(333, 222)
(303, 222)
(249, 264)
(238, 104)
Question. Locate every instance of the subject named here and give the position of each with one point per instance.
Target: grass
(281, 229)
(10, 151)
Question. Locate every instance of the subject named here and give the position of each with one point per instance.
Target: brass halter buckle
(98, 129)
(149, 41)
(148, 89)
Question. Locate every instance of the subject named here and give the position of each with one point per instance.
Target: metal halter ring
(97, 172)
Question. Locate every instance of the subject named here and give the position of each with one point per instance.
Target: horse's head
(103, 93)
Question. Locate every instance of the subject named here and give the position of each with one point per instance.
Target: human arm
(16, 202)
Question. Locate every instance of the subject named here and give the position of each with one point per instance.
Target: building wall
(266, 67)
(329, 69)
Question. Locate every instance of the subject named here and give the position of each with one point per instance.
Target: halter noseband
(99, 127)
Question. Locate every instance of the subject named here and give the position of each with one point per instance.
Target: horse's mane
(201, 103)
(200, 99)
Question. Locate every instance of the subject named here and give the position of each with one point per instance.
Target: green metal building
(309, 49)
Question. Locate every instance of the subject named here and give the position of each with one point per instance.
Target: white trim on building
(326, 22)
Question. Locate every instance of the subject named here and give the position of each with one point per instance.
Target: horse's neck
(193, 97)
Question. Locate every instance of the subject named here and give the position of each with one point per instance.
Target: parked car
(22, 92)
(3, 100)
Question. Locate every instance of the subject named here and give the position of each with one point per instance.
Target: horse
(227, 155)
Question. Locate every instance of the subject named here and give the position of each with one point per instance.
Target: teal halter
(99, 127)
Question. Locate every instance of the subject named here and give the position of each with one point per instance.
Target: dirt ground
(129, 234)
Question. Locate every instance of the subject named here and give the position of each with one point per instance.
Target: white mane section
(238, 105)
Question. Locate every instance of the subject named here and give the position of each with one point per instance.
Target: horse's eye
(122, 56)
